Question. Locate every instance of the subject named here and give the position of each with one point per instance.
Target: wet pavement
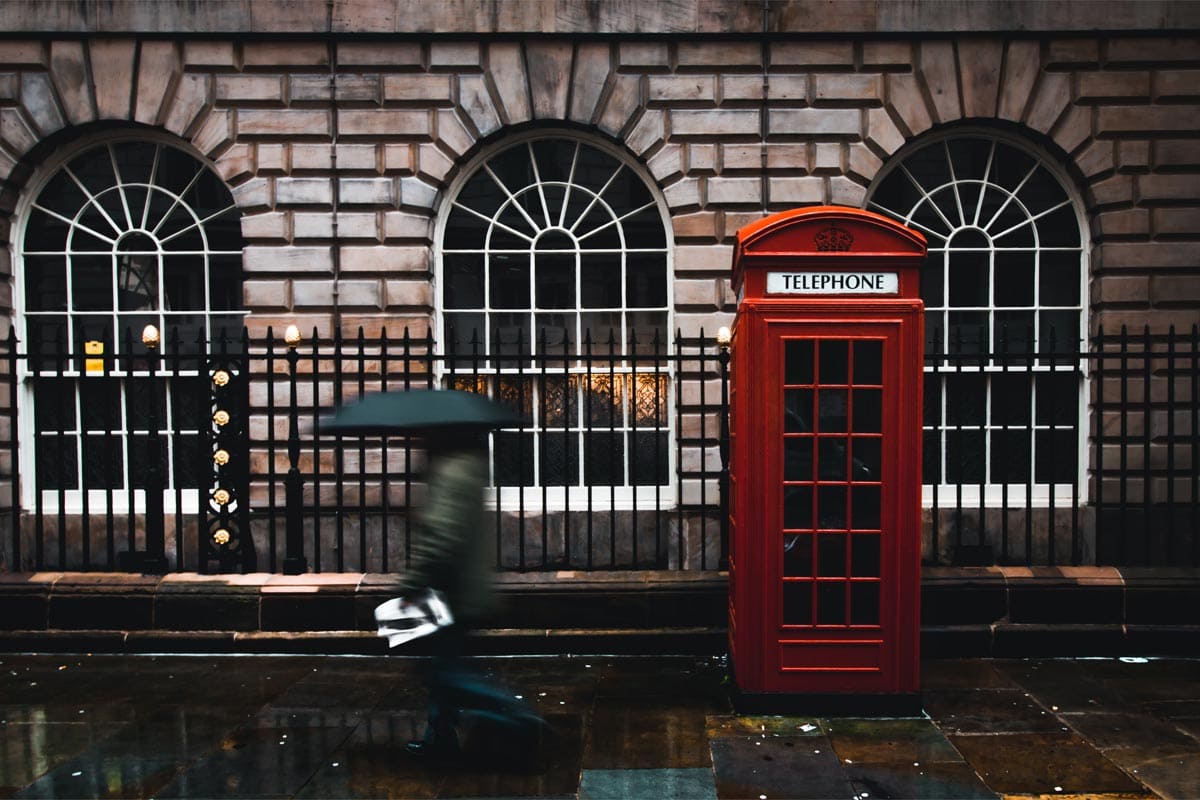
(658, 728)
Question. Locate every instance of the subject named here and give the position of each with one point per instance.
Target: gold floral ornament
(221, 418)
(222, 497)
(221, 378)
(221, 458)
(221, 536)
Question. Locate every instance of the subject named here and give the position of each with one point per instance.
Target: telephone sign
(825, 434)
(833, 283)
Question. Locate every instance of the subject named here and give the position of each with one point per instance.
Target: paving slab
(1044, 764)
(917, 781)
(889, 741)
(662, 784)
(799, 768)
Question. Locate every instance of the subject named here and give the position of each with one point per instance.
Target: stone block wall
(340, 151)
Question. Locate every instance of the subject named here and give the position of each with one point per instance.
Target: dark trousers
(455, 688)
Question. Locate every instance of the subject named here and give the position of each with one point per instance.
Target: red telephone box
(825, 470)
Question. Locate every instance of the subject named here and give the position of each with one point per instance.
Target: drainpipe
(337, 188)
(763, 124)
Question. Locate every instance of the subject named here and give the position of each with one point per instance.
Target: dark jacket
(449, 550)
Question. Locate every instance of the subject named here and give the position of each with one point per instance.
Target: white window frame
(99, 499)
(994, 494)
(556, 497)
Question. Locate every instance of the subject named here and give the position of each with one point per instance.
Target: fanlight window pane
(1003, 297)
(554, 264)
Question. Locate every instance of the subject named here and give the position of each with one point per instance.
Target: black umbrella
(417, 411)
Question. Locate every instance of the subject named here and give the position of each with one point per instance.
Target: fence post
(15, 498)
(154, 560)
(294, 562)
(724, 338)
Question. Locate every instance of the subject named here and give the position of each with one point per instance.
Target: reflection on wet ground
(621, 727)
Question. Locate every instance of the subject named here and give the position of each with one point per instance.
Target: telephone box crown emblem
(833, 239)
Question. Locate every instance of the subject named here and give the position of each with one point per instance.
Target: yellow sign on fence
(93, 366)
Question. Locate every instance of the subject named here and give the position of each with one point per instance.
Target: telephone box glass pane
(868, 410)
(835, 356)
(797, 603)
(831, 603)
(864, 555)
(831, 507)
(797, 507)
(831, 411)
(797, 412)
(798, 361)
(868, 362)
(797, 555)
(831, 555)
(798, 459)
(867, 459)
(864, 603)
(831, 462)
(865, 514)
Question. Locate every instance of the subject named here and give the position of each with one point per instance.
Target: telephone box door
(836, 401)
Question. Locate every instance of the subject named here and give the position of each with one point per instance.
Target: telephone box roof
(827, 236)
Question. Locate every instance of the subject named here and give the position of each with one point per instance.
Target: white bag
(401, 619)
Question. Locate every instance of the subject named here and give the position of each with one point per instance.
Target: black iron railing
(616, 464)
(1033, 455)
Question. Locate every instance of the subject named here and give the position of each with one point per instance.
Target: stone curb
(966, 612)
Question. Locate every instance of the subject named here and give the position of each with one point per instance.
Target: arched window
(554, 292)
(123, 233)
(1004, 297)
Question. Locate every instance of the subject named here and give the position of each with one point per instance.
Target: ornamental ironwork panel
(226, 545)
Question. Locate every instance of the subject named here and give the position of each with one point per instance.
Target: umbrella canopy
(419, 410)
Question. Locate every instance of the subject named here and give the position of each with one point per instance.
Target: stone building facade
(344, 132)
